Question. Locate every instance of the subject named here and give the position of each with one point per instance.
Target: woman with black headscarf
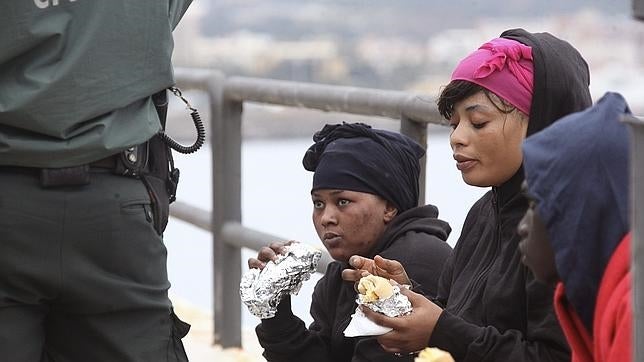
(489, 306)
(365, 197)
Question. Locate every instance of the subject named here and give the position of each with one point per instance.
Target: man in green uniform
(82, 266)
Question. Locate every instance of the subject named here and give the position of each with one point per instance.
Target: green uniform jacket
(76, 77)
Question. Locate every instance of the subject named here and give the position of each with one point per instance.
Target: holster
(159, 174)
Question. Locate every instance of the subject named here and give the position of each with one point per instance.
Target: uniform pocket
(136, 206)
(176, 351)
(159, 201)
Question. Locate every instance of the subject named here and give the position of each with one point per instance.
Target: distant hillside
(415, 19)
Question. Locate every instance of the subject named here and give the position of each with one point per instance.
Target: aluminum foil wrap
(394, 306)
(262, 290)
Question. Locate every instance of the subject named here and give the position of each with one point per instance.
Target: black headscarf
(356, 157)
(561, 78)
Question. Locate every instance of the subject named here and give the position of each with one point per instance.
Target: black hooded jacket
(494, 309)
(416, 238)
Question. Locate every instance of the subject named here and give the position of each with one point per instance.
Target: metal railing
(226, 96)
(637, 241)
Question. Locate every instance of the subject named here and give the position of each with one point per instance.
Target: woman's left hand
(410, 332)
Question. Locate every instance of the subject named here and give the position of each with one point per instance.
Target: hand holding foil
(377, 294)
(262, 290)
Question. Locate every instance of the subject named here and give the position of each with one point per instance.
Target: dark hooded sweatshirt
(579, 179)
(494, 310)
(416, 238)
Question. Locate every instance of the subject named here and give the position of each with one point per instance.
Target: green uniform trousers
(83, 273)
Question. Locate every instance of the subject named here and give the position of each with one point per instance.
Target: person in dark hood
(365, 202)
(575, 233)
(489, 306)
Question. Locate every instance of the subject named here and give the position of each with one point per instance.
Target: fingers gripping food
(373, 288)
(377, 294)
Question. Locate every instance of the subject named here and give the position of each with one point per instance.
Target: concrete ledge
(198, 342)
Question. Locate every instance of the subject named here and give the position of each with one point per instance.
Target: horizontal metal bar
(193, 78)
(191, 214)
(330, 98)
(363, 101)
(237, 234)
(233, 233)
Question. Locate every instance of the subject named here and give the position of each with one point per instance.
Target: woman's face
(535, 245)
(486, 142)
(349, 222)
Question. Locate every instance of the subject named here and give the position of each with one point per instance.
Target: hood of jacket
(561, 78)
(577, 171)
(560, 87)
(420, 219)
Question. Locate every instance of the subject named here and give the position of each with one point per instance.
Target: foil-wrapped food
(262, 290)
(379, 295)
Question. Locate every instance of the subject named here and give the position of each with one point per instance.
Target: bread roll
(374, 288)
(431, 354)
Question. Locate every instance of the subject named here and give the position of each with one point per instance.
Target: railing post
(418, 132)
(637, 241)
(225, 142)
(638, 9)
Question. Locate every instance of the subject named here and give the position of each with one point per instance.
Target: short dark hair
(457, 90)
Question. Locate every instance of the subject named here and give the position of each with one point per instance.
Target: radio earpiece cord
(196, 119)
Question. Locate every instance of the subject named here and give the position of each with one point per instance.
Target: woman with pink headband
(489, 306)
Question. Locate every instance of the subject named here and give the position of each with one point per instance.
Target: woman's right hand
(411, 332)
(268, 253)
(386, 268)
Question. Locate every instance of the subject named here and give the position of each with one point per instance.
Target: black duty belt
(75, 175)
(109, 162)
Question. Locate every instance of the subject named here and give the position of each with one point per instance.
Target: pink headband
(504, 67)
